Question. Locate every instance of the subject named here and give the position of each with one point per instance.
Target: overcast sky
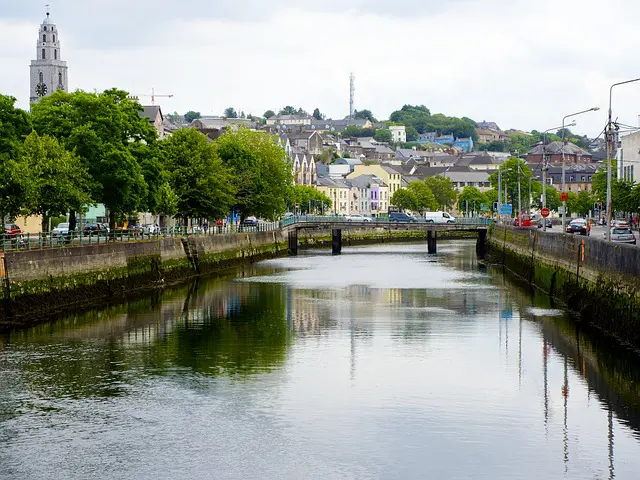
(521, 63)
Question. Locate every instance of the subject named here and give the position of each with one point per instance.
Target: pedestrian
(205, 226)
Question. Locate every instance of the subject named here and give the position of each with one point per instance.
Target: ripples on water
(383, 362)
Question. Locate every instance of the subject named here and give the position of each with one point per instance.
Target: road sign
(545, 212)
(564, 197)
(506, 209)
(484, 207)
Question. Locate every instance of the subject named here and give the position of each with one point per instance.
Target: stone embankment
(36, 283)
(596, 279)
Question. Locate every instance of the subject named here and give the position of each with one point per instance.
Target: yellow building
(390, 175)
(32, 224)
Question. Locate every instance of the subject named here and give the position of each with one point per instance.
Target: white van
(439, 217)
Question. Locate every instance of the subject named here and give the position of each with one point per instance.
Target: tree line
(77, 149)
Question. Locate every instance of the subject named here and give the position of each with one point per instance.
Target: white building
(398, 134)
(289, 120)
(629, 157)
(48, 71)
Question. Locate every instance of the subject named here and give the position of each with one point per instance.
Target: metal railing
(40, 241)
(383, 220)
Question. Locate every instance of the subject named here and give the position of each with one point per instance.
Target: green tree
(383, 135)
(471, 199)
(317, 115)
(190, 116)
(580, 203)
(494, 146)
(168, 202)
(553, 198)
(269, 114)
(365, 115)
(105, 130)
(512, 170)
(58, 179)
(412, 133)
(443, 190)
(15, 125)
(425, 199)
(202, 183)
(404, 199)
(308, 199)
(355, 131)
(261, 175)
(288, 110)
(230, 112)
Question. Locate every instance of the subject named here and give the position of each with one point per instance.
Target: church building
(48, 71)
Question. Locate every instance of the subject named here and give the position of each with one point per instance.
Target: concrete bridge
(337, 224)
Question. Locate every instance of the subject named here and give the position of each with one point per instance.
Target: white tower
(48, 71)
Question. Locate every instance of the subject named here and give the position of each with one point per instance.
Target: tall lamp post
(609, 136)
(546, 167)
(564, 186)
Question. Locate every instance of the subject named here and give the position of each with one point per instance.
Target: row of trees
(433, 193)
(418, 119)
(81, 148)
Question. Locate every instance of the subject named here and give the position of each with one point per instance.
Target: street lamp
(609, 136)
(564, 187)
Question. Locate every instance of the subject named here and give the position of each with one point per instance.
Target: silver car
(622, 235)
(61, 230)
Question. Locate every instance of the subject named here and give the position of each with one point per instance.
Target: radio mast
(352, 91)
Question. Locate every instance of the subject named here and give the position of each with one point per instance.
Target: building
(48, 71)
(156, 119)
(578, 176)
(465, 177)
(373, 194)
(629, 157)
(398, 133)
(338, 191)
(444, 139)
(464, 144)
(390, 175)
(303, 169)
(488, 125)
(290, 120)
(310, 142)
(553, 153)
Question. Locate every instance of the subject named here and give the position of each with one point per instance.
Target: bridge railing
(319, 219)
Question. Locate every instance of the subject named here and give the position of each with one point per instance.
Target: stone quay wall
(598, 280)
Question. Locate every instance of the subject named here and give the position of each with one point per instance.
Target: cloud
(520, 65)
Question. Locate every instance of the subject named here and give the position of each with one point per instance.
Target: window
(44, 37)
(44, 56)
(60, 78)
(55, 54)
(41, 77)
(54, 38)
(45, 29)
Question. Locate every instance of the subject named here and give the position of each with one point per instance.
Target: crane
(153, 96)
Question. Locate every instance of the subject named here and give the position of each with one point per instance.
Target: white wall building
(398, 133)
(628, 157)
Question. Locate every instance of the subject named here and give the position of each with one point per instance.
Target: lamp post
(546, 167)
(564, 186)
(609, 136)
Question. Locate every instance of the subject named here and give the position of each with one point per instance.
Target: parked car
(401, 217)
(288, 215)
(12, 230)
(619, 224)
(439, 217)
(94, 229)
(548, 220)
(524, 219)
(356, 217)
(250, 221)
(622, 235)
(61, 230)
(579, 225)
(150, 229)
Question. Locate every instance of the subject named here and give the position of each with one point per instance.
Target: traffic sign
(545, 212)
(564, 197)
(484, 207)
(506, 209)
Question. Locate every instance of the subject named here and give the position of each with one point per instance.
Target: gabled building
(153, 113)
(373, 194)
(553, 153)
(303, 169)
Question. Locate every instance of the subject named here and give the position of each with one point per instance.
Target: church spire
(48, 71)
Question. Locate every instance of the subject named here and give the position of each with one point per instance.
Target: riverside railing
(40, 241)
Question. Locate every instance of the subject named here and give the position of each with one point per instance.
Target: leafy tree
(202, 183)
(420, 118)
(317, 115)
(471, 199)
(365, 115)
(58, 179)
(494, 146)
(405, 199)
(260, 173)
(443, 190)
(151, 161)
(289, 110)
(230, 112)
(580, 203)
(412, 133)
(512, 170)
(168, 202)
(105, 130)
(269, 114)
(308, 199)
(355, 131)
(425, 199)
(553, 198)
(15, 125)
(190, 116)
(383, 135)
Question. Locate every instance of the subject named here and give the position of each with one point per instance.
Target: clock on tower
(41, 89)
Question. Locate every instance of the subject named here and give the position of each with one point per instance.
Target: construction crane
(153, 96)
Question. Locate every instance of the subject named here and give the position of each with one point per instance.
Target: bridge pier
(336, 241)
(432, 237)
(481, 244)
(293, 242)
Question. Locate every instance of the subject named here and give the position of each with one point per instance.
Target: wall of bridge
(598, 280)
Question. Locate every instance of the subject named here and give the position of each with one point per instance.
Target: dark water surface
(381, 363)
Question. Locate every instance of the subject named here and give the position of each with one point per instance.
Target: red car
(12, 229)
(526, 221)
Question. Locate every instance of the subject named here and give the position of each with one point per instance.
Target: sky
(524, 64)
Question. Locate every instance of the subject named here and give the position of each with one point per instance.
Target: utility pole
(519, 201)
(499, 193)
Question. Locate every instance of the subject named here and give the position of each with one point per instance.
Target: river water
(381, 363)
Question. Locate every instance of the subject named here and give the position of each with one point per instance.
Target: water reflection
(382, 363)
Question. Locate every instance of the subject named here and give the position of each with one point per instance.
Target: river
(381, 363)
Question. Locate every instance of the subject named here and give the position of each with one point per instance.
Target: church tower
(48, 71)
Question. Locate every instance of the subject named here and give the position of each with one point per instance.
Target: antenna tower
(352, 91)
